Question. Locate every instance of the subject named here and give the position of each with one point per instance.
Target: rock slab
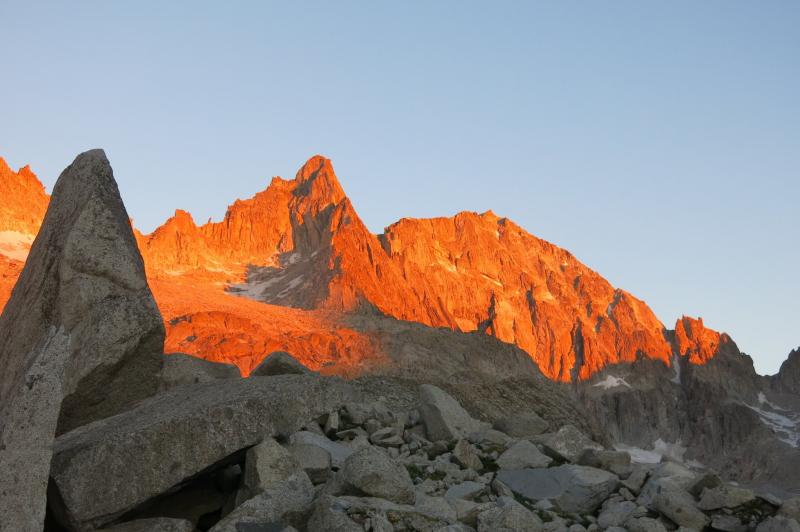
(571, 488)
(111, 466)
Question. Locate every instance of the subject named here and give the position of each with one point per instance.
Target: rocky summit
(285, 369)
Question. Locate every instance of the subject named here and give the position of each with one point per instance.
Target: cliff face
(788, 378)
(470, 273)
(299, 246)
(22, 209)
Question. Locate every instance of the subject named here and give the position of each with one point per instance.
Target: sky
(657, 141)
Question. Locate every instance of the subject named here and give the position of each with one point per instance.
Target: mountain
(300, 247)
(466, 302)
(301, 244)
(24, 202)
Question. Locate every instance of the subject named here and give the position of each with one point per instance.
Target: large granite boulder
(444, 417)
(568, 443)
(509, 516)
(372, 472)
(571, 488)
(523, 455)
(112, 466)
(279, 363)
(266, 464)
(522, 425)
(81, 337)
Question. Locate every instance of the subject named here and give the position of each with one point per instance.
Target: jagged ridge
(300, 243)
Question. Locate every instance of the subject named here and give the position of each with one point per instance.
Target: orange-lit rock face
(694, 340)
(208, 323)
(23, 203)
(283, 267)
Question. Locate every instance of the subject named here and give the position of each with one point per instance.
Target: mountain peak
(24, 200)
(695, 340)
(317, 181)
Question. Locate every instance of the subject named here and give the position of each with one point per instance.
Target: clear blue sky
(659, 142)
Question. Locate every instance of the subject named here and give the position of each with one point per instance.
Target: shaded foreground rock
(372, 472)
(508, 516)
(81, 336)
(279, 363)
(179, 369)
(568, 443)
(571, 488)
(268, 510)
(266, 464)
(112, 466)
(155, 524)
(444, 418)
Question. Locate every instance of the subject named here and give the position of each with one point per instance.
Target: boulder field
(443, 430)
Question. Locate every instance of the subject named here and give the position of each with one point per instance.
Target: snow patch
(293, 283)
(449, 266)
(785, 426)
(254, 289)
(612, 382)
(495, 281)
(15, 245)
(639, 455)
(673, 451)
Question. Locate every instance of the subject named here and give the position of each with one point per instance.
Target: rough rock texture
(778, 524)
(571, 488)
(788, 378)
(720, 413)
(679, 507)
(80, 338)
(155, 524)
(316, 461)
(522, 425)
(181, 370)
(268, 510)
(508, 516)
(294, 269)
(172, 437)
(374, 474)
(568, 443)
(523, 455)
(23, 207)
(266, 465)
(444, 418)
(279, 363)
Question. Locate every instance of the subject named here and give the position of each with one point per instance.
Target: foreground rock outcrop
(81, 336)
(385, 468)
(115, 465)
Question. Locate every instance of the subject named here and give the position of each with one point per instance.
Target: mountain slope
(301, 244)
(469, 272)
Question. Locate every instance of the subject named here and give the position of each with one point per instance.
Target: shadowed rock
(114, 465)
(279, 363)
(81, 336)
(181, 370)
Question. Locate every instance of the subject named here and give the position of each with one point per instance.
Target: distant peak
(182, 214)
(317, 181)
(312, 167)
(24, 172)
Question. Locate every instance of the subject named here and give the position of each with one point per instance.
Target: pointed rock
(80, 338)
